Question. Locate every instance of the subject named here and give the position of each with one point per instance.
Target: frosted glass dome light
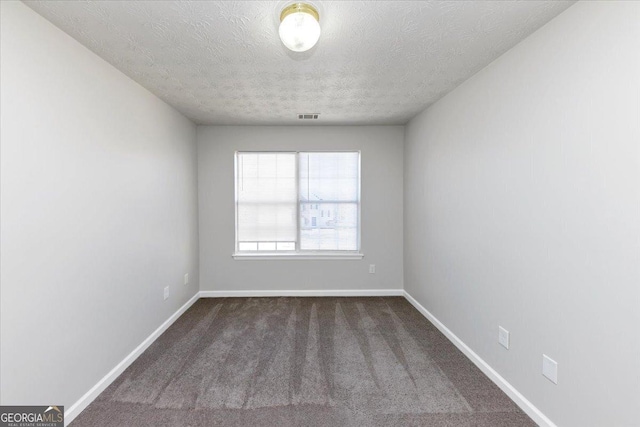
(299, 27)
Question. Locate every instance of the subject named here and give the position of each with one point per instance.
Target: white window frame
(298, 254)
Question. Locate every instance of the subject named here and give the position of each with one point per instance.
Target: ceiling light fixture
(299, 26)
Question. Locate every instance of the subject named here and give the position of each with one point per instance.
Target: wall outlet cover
(550, 368)
(503, 337)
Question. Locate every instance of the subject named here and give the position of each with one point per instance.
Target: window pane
(329, 226)
(329, 176)
(266, 222)
(266, 177)
(266, 198)
(266, 246)
(248, 246)
(286, 246)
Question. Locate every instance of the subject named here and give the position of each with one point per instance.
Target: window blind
(329, 201)
(266, 201)
(297, 202)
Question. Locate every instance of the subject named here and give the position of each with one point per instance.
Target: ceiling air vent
(312, 116)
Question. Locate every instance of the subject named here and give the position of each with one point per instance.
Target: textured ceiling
(377, 62)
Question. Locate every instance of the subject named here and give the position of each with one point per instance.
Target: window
(297, 203)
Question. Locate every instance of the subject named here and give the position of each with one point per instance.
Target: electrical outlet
(550, 369)
(166, 292)
(372, 268)
(186, 278)
(503, 337)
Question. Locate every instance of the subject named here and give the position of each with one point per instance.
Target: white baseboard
(494, 376)
(312, 293)
(75, 409)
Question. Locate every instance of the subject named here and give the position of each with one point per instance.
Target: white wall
(99, 213)
(522, 192)
(381, 181)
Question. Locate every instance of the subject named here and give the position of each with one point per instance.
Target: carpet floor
(302, 362)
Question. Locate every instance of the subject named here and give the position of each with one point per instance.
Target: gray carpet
(302, 362)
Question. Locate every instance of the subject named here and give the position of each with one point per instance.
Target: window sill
(255, 256)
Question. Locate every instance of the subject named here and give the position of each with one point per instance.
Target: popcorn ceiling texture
(377, 62)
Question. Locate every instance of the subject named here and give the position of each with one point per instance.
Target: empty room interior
(320, 213)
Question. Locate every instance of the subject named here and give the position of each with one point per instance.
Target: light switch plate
(372, 268)
(550, 368)
(186, 278)
(166, 292)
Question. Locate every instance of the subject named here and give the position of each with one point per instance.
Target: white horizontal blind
(329, 192)
(297, 201)
(266, 201)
